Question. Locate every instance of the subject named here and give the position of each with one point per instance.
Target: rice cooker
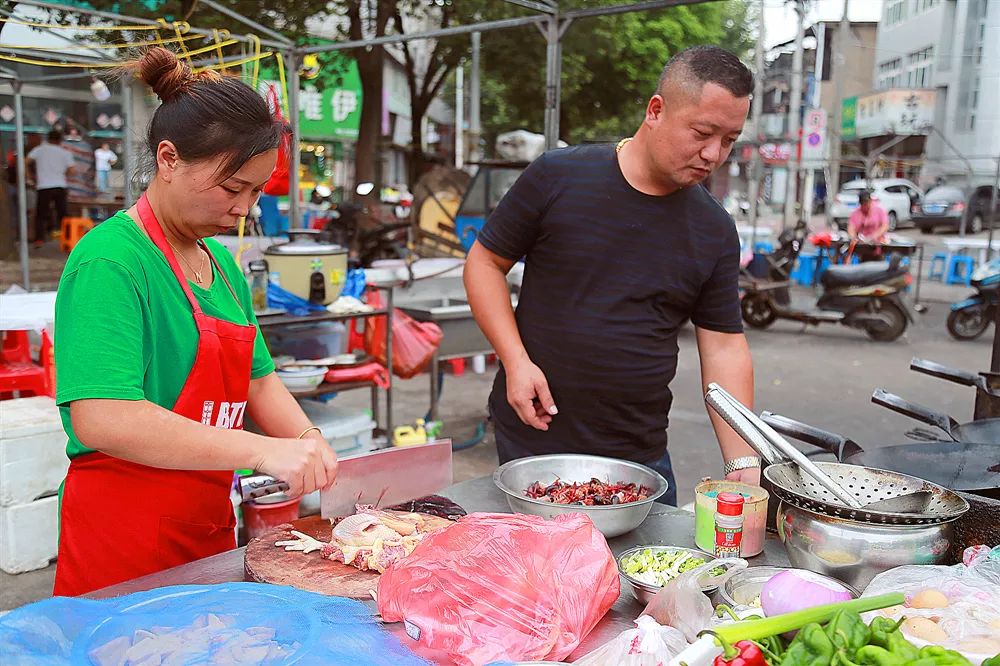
(308, 267)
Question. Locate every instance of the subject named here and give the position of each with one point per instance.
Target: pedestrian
(869, 227)
(104, 159)
(622, 245)
(53, 164)
(159, 355)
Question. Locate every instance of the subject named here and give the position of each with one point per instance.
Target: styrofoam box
(32, 449)
(29, 535)
(349, 431)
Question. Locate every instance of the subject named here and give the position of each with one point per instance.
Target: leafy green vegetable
(659, 567)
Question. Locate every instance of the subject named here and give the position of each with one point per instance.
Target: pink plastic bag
(498, 586)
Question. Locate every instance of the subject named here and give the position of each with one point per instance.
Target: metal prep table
(665, 525)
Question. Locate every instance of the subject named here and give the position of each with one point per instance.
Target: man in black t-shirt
(622, 245)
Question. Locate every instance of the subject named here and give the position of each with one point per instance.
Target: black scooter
(864, 296)
(970, 317)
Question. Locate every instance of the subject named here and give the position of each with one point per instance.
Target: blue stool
(805, 268)
(957, 276)
(939, 262)
(763, 247)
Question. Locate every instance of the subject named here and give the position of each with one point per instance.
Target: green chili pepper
(885, 634)
(935, 655)
(811, 647)
(848, 632)
(992, 661)
(873, 655)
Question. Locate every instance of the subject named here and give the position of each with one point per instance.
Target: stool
(763, 247)
(457, 366)
(16, 347)
(938, 264)
(955, 274)
(73, 229)
(805, 268)
(25, 377)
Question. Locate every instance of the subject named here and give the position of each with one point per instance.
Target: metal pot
(612, 520)
(309, 268)
(855, 552)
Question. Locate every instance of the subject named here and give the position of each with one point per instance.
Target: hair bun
(164, 73)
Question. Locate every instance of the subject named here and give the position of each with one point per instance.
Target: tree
(610, 67)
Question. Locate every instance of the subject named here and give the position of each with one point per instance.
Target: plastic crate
(349, 431)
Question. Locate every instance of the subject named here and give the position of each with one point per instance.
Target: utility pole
(460, 116)
(794, 113)
(839, 74)
(755, 111)
(475, 127)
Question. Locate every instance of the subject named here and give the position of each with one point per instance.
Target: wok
(984, 431)
(959, 465)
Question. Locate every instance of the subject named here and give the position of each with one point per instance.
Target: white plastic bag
(682, 604)
(648, 644)
(971, 618)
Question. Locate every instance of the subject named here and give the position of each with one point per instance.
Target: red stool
(27, 378)
(16, 347)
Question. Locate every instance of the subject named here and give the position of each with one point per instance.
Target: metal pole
(246, 21)
(129, 170)
(553, 61)
(993, 211)
(460, 116)
(794, 108)
(756, 108)
(388, 362)
(22, 189)
(839, 65)
(296, 156)
(475, 127)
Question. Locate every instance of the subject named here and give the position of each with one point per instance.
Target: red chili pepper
(743, 653)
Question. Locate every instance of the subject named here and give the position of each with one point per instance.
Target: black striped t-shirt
(611, 274)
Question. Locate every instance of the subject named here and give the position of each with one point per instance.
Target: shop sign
(898, 111)
(775, 153)
(848, 118)
(330, 103)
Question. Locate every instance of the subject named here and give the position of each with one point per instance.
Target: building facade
(950, 47)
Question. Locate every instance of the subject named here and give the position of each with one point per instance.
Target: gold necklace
(621, 144)
(197, 273)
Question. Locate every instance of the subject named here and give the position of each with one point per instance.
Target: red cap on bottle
(729, 504)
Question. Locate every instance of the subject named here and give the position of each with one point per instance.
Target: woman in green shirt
(158, 355)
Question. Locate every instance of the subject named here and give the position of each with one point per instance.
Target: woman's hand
(304, 464)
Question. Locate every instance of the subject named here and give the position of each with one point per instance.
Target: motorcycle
(969, 318)
(358, 226)
(864, 296)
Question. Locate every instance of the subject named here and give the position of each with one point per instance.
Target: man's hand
(749, 475)
(528, 393)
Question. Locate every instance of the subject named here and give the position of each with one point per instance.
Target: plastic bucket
(261, 517)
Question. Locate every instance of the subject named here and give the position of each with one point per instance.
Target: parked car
(945, 206)
(895, 195)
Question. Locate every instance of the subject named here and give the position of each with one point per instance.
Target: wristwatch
(744, 462)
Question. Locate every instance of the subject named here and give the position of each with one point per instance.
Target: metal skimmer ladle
(776, 449)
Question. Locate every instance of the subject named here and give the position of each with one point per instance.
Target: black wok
(966, 466)
(983, 431)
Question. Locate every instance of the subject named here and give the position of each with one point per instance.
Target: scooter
(864, 296)
(969, 318)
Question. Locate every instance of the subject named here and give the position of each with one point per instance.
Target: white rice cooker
(308, 267)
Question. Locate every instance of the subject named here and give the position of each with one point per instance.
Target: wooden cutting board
(266, 563)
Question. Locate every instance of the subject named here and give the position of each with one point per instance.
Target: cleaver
(384, 478)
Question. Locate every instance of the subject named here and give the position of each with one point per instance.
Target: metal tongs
(768, 443)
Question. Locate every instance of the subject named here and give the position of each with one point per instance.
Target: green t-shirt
(124, 328)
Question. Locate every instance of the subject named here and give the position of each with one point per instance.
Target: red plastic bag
(359, 373)
(497, 586)
(413, 342)
(277, 184)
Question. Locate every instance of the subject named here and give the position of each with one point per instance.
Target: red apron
(121, 520)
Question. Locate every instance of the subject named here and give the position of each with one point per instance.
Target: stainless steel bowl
(743, 587)
(644, 592)
(855, 552)
(513, 479)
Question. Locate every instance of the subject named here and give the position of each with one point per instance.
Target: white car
(895, 195)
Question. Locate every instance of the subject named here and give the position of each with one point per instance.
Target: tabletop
(665, 526)
(30, 311)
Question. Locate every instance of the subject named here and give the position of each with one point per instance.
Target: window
(890, 74)
(895, 12)
(921, 6)
(919, 68)
(971, 62)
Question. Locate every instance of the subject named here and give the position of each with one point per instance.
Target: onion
(794, 590)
